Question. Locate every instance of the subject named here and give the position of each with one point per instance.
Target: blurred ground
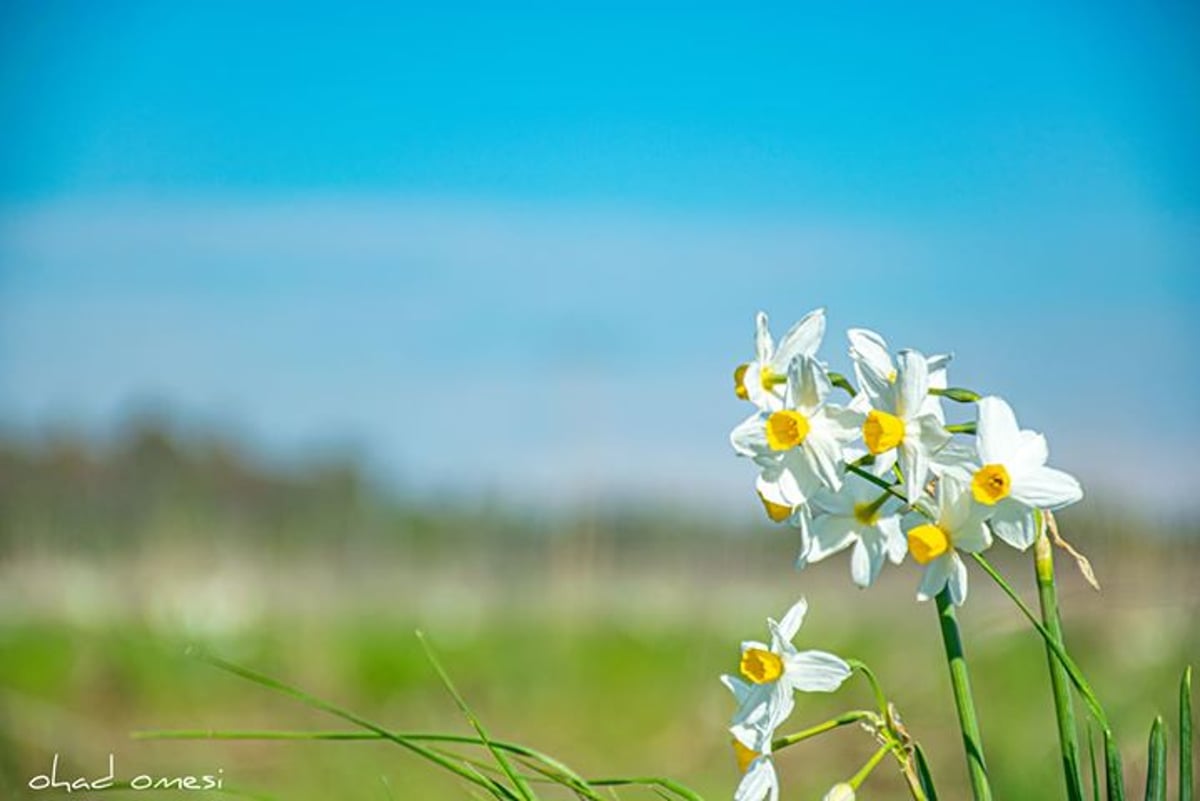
(595, 636)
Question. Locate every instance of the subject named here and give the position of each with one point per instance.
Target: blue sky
(520, 250)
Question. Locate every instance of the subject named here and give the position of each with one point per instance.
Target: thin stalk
(845, 719)
(1185, 736)
(960, 681)
(865, 771)
(1064, 709)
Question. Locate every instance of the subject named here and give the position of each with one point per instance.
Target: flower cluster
(883, 474)
(770, 675)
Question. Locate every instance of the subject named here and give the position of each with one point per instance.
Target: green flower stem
(845, 719)
(876, 689)
(967, 721)
(866, 769)
(1064, 709)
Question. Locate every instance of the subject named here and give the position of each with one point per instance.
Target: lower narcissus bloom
(770, 675)
(803, 440)
(1009, 475)
(958, 526)
(759, 780)
(862, 515)
(762, 381)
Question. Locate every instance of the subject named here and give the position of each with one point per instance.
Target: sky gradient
(520, 252)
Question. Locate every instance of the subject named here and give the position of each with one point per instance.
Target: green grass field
(613, 671)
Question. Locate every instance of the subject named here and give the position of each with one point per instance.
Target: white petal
(915, 466)
(763, 345)
(912, 383)
(1031, 452)
(749, 438)
(958, 580)
(760, 782)
(1013, 522)
(803, 339)
(740, 689)
(816, 671)
(895, 543)
(998, 436)
(937, 573)
(808, 384)
(866, 560)
(830, 534)
(954, 503)
(1046, 488)
(792, 620)
(871, 350)
(973, 536)
(824, 455)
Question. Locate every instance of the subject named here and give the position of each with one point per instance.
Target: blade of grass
(333, 709)
(1156, 770)
(1186, 755)
(498, 754)
(924, 773)
(1113, 772)
(1092, 759)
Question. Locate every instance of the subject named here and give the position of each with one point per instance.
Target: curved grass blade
(1186, 755)
(351, 717)
(498, 754)
(1156, 772)
(1092, 759)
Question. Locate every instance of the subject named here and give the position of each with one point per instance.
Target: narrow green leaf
(1186, 755)
(924, 774)
(1114, 773)
(1156, 771)
(1092, 759)
(518, 781)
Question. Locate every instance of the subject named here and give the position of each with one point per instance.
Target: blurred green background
(594, 635)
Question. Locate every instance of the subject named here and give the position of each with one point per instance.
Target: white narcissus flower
(772, 674)
(799, 445)
(897, 425)
(1010, 477)
(762, 380)
(874, 368)
(959, 526)
(862, 515)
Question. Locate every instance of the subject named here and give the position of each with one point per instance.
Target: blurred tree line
(153, 483)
